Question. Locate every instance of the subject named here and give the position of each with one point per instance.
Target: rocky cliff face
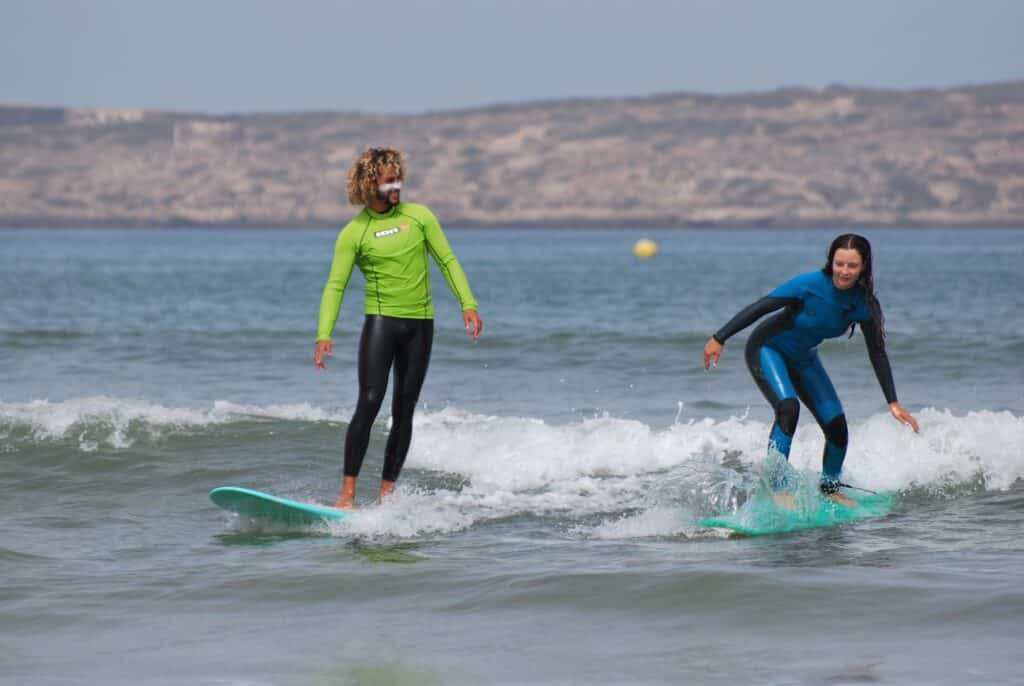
(791, 157)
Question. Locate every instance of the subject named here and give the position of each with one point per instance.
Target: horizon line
(526, 104)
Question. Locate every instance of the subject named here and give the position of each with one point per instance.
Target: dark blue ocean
(544, 530)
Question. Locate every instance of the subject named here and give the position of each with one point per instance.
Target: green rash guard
(390, 250)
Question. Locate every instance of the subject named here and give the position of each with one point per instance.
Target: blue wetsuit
(783, 358)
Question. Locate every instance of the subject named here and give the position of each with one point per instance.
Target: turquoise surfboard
(265, 506)
(761, 515)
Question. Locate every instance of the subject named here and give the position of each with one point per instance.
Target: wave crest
(102, 421)
(514, 456)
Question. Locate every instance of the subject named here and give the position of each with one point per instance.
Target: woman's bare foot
(842, 499)
(785, 500)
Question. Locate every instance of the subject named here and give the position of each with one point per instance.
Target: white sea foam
(641, 482)
(86, 419)
(518, 454)
(660, 520)
(621, 474)
(514, 454)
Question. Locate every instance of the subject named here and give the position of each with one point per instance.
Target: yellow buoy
(645, 248)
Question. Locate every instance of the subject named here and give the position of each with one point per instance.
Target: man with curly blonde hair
(389, 240)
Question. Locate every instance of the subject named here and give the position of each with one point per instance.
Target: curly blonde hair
(362, 177)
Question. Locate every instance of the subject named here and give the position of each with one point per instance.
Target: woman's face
(847, 266)
(389, 187)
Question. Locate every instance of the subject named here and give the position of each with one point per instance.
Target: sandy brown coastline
(795, 157)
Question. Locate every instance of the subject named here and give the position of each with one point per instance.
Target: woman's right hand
(904, 417)
(322, 347)
(712, 351)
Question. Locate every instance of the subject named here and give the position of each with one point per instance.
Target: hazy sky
(412, 56)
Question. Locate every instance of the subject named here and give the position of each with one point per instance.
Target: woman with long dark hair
(782, 351)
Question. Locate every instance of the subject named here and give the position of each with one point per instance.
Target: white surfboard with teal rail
(257, 505)
(761, 515)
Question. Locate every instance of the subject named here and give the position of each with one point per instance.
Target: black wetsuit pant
(406, 344)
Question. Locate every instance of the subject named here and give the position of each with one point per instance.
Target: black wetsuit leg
(411, 362)
(406, 343)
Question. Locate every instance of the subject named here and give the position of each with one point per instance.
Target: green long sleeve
(337, 280)
(392, 251)
(437, 244)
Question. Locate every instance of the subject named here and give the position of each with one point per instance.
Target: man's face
(389, 185)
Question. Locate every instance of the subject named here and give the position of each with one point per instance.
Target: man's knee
(371, 396)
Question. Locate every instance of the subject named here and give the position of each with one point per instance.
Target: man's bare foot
(386, 489)
(347, 497)
(785, 500)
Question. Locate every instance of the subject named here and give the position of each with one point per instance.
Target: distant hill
(836, 156)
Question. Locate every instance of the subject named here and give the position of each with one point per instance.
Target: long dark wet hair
(851, 241)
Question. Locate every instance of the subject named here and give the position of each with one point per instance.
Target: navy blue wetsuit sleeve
(750, 314)
(879, 360)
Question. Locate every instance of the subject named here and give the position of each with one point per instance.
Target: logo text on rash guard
(392, 231)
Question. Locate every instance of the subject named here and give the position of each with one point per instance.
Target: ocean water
(544, 530)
